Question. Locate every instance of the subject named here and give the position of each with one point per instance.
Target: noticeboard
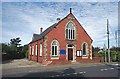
(62, 51)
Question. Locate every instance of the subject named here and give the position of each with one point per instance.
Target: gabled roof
(40, 36)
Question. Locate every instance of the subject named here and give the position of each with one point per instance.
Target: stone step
(75, 63)
(45, 62)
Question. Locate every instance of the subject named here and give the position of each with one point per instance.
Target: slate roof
(40, 36)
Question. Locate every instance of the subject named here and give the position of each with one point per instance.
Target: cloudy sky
(22, 19)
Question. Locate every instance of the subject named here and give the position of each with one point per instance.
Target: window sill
(85, 57)
(54, 57)
(79, 56)
(70, 39)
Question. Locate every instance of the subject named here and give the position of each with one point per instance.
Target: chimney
(41, 29)
(58, 19)
(70, 10)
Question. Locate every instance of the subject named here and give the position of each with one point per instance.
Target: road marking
(52, 76)
(103, 69)
(117, 67)
(111, 68)
(115, 64)
(75, 73)
(80, 72)
(63, 74)
(57, 75)
(67, 74)
(84, 72)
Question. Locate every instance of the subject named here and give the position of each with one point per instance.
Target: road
(111, 71)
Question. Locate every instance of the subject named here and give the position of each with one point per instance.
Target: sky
(22, 19)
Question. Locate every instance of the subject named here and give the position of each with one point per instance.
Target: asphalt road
(111, 71)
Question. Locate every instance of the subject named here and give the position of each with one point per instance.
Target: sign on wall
(79, 53)
(62, 51)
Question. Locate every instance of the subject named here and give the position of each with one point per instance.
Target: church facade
(63, 42)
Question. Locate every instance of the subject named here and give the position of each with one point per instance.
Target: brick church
(63, 42)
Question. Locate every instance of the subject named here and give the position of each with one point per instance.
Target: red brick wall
(94, 60)
(58, 33)
(34, 57)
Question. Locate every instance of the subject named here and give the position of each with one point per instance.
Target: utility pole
(116, 55)
(108, 41)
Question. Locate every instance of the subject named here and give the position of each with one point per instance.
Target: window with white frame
(40, 49)
(54, 48)
(70, 31)
(84, 49)
(36, 50)
(32, 50)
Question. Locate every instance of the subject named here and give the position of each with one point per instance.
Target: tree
(15, 41)
(25, 50)
(14, 50)
(95, 51)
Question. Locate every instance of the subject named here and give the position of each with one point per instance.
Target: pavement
(25, 68)
(18, 63)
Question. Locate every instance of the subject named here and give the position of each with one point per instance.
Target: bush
(26, 54)
(118, 56)
(113, 56)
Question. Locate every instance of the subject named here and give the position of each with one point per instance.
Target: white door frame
(73, 47)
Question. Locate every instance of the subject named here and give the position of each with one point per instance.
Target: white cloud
(31, 16)
(60, 0)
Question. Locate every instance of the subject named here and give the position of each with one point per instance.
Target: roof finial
(70, 10)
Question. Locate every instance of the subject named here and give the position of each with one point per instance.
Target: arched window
(70, 31)
(54, 48)
(84, 49)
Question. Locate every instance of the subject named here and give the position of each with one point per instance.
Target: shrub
(26, 54)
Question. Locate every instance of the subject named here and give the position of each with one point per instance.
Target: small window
(40, 49)
(84, 49)
(79, 53)
(32, 50)
(36, 50)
